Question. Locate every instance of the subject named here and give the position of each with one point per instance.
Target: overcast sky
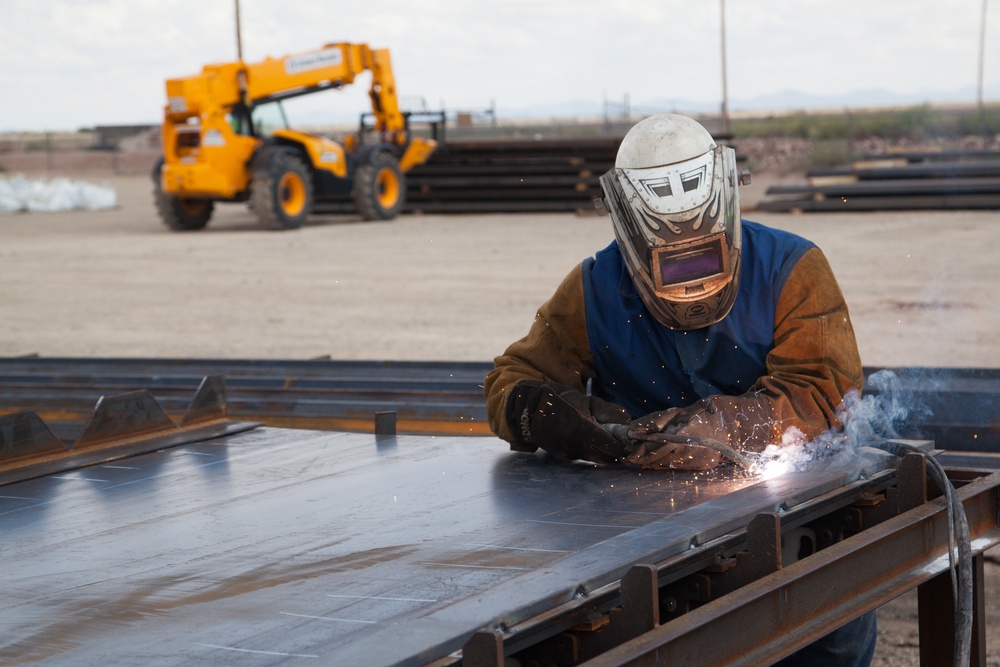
(66, 64)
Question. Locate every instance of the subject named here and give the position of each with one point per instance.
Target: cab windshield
(267, 118)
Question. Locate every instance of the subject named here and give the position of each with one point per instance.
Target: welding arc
(958, 540)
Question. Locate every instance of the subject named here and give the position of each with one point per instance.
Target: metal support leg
(640, 610)
(936, 619)
(484, 649)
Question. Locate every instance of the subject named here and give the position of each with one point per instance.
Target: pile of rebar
(896, 182)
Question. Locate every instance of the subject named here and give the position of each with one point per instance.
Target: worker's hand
(659, 450)
(564, 422)
(669, 439)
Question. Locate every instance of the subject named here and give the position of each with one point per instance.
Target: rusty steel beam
(780, 613)
(119, 426)
(887, 203)
(962, 415)
(896, 182)
(969, 169)
(894, 187)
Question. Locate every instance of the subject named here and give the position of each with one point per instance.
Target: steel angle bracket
(120, 426)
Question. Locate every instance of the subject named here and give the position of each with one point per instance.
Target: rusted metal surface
(417, 640)
(770, 618)
(119, 426)
(280, 545)
(958, 408)
(428, 397)
(213, 543)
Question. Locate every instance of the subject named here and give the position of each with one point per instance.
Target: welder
(692, 328)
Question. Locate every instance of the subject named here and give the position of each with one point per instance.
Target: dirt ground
(921, 287)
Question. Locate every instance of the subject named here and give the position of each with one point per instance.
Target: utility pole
(725, 86)
(239, 43)
(979, 95)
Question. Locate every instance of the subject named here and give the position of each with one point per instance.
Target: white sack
(18, 193)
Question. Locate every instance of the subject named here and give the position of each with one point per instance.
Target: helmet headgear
(675, 207)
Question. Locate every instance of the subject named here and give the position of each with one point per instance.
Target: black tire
(281, 193)
(181, 214)
(379, 189)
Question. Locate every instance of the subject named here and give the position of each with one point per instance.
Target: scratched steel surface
(281, 546)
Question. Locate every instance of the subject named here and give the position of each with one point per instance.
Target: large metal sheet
(278, 546)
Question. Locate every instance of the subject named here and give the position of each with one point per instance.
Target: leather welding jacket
(785, 353)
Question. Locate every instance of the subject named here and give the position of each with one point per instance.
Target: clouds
(72, 63)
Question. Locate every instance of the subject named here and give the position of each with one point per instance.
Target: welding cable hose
(959, 541)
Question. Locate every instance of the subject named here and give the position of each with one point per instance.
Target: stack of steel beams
(506, 176)
(897, 181)
(512, 176)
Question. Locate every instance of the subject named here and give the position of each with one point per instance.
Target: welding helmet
(675, 209)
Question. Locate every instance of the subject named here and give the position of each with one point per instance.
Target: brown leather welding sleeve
(815, 358)
(555, 350)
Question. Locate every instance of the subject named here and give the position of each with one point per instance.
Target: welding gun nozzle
(619, 432)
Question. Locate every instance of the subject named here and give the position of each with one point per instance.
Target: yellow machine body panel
(323, 153)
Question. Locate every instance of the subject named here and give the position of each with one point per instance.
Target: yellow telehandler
(225, 138)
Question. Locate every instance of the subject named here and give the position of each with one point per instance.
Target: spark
(773, 469)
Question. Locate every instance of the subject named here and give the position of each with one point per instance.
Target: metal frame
(787, 608)
(704, 585)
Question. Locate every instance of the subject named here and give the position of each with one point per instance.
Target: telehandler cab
(225, 138)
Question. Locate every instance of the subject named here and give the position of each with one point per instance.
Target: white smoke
(865, 421)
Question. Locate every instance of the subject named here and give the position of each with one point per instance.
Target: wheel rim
(192, 206)
(291, 194)
(386, 188)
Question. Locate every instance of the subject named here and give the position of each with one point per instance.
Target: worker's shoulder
(759, 232)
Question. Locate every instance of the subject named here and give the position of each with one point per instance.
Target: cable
(959, 547)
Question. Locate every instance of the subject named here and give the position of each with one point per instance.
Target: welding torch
(620, 433)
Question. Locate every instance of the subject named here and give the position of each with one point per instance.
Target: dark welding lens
(689, 264)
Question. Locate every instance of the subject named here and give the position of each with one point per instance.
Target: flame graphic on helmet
(709, 213)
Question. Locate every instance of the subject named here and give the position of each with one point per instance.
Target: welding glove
(564, 422)
(670, 438)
